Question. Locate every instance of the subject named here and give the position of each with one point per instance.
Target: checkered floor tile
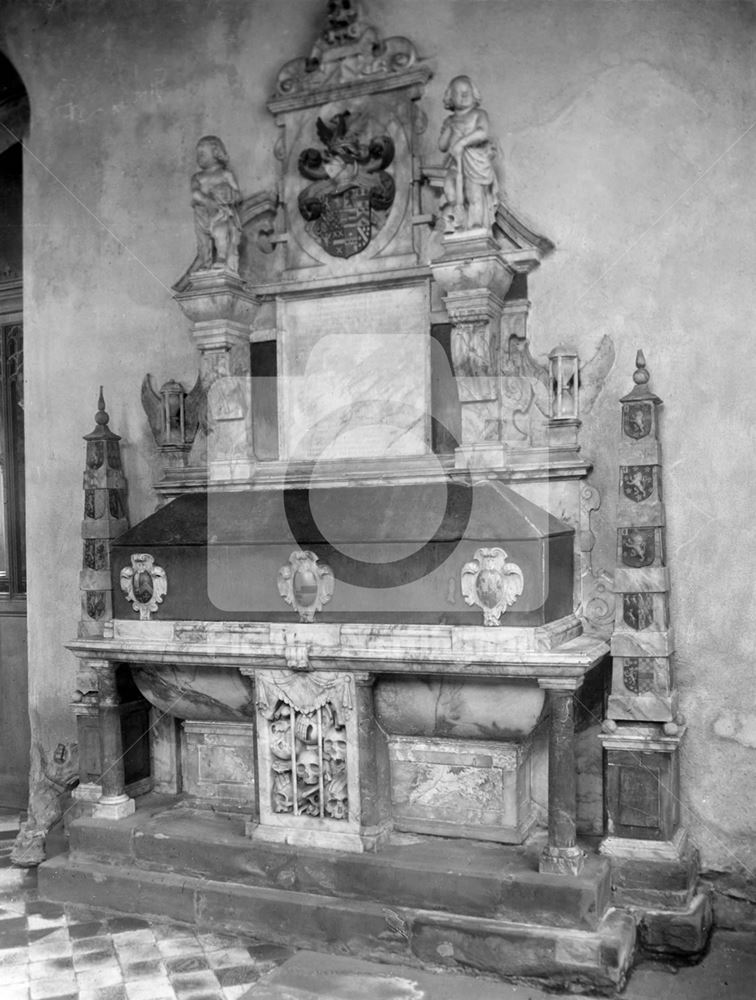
(50, 951)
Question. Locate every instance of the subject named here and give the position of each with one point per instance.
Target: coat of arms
(638, 610)
(638, 482)
(491, 582)
(352, 192)
(637, 546)
(305, 585)
(144, 584)
(637, 419)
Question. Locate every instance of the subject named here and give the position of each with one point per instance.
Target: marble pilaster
(562, 855)
(221, 311)
(114, 803)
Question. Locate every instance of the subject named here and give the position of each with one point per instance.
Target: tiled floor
(54, 952)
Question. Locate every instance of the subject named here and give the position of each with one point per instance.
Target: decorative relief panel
(491, 582)
(307, 742)
(144, 584)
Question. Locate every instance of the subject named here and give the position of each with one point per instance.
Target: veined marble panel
(219, 764)
(356, 374)
(480, 790)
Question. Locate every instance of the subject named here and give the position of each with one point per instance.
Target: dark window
(446, 427)
(12, 529)
(264, 367)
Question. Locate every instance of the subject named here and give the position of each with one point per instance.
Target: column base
(89, 791)
(114, 807)
(561, 861)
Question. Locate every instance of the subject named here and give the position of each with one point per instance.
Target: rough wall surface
(627, 136)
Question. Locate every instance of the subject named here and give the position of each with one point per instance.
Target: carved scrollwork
(144, 584)
(491, 582)
(305, 585)
(349, 48)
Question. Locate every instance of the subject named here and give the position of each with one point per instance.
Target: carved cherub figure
(215, 195)
(470, 185)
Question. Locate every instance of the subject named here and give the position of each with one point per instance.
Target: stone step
(564, 957)
(432, 873)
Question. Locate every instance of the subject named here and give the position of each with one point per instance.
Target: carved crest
(144, 584)
(638, 482)
(352, 192)
(638, 610)
(637, 419)
(638, 546)
(492, 583)
(305, 585)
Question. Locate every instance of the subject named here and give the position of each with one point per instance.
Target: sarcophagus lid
(446, 552)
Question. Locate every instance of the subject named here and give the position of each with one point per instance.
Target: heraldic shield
(638, 482)
(352, 192)
(637, 419)
(345, 225)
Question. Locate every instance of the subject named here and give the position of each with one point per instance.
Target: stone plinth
(641, 792)
(221, 309)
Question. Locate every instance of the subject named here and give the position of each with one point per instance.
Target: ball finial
(101, 417)
(640, 375)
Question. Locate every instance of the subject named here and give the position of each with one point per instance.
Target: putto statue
(470, 185)
(215, 196)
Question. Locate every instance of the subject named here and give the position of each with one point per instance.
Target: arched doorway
(14, 714)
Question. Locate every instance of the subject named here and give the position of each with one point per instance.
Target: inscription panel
(356, 375)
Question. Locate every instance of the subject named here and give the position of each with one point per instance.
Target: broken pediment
(348, 50)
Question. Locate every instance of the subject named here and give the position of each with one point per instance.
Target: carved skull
(336, 808)
(308, 767)
(336, 797)
(280, 736)
(334, 746)
(283, 794)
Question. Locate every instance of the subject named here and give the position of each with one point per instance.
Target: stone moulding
(557, 651)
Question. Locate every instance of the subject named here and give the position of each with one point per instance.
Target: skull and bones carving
(308, 766)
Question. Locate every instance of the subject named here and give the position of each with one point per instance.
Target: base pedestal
(471, 906)
(114, 807)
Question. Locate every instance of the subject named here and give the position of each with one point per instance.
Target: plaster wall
(626, 133)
